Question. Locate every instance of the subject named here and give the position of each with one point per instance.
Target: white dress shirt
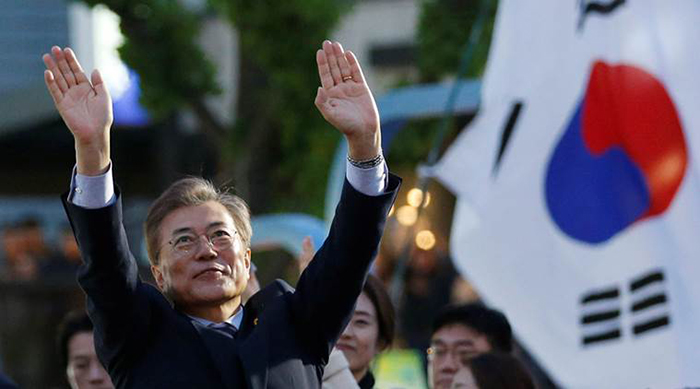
(98, 191)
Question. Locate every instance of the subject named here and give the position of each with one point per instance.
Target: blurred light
(127, 110)
(108, 39)
(391, 211)
(123, 84)
(425, 240)
(415, 197)
(407, 215)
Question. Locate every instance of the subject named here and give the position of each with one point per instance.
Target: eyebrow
(363, 313)
(190, 229)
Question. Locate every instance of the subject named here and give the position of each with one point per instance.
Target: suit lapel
(218, 346)
(252, 345)
(253, 348)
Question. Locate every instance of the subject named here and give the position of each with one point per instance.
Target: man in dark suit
(193, 331)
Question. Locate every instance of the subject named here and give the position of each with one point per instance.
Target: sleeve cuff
(92, 192)
(371, 181)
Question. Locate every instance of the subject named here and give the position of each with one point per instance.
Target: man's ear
(248, 254)
(158, 276)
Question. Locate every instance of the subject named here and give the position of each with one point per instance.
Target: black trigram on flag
(645, 306)
(601, 315)
(649, 303)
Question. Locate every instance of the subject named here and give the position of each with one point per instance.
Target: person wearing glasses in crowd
(192, 330)
(461, 332)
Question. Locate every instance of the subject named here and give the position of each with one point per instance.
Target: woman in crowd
(370, 331)
(492, 371)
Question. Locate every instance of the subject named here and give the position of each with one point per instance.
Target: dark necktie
(225, 329)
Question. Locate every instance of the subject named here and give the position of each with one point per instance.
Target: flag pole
(397, 284)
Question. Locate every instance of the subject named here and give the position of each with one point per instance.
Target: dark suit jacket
(286, 335)
(5, 383)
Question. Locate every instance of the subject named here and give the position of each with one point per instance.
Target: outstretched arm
(117, 300)
(346, 102)
(329, 286)
(84, 105)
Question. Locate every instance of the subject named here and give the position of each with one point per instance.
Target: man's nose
(450, 363)
(205, 249)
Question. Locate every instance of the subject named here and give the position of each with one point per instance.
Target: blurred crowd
(25, 254)
(429, 285)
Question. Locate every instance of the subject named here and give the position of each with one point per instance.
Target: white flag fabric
(578, 188)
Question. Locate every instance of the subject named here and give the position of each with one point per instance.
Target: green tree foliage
(443, 33)
(278, 44)
(160, 46)
(444, 29)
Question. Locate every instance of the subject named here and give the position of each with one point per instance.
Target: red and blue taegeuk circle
(621, 159)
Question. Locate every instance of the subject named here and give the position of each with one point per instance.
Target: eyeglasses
(184, 245)
(459, 353)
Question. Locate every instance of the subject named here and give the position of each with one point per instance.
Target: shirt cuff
(92, 192)
(371, 181)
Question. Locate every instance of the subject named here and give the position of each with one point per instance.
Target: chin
(215, 293)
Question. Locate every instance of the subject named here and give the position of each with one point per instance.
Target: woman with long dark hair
(370, 331)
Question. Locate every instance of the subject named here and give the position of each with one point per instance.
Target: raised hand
(346, 102)
(85, 107)
(307, 253)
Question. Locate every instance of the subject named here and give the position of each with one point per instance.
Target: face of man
(450, 345)
(195, 270)
(84, 370)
